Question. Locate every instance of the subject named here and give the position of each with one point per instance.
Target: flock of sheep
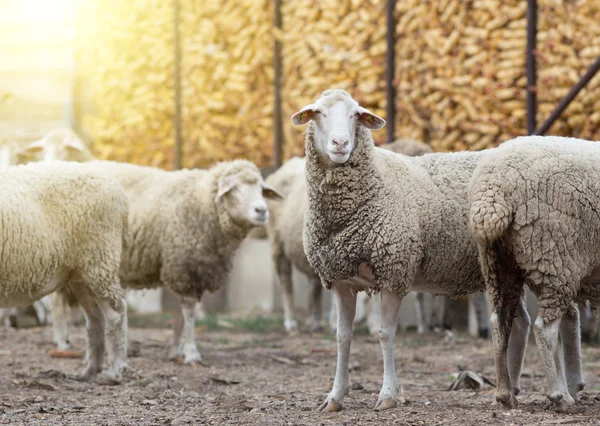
(355, 218)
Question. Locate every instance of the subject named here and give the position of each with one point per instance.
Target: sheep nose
(340, 143)
(260, 210)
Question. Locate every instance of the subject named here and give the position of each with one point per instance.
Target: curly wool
(401, 215)
(536, 200)
(409, 147)
(182, 237)
(60, 221)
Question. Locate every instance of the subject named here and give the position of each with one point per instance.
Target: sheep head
(59, 144)
(336, 115)
(243, 194)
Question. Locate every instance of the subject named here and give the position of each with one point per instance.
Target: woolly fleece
(60, 221)
(182, 238)
(536, 200)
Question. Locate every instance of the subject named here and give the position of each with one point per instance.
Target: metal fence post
(277, 64)
(177, 87)
(531, 71)
(564, 103)
(390, 71)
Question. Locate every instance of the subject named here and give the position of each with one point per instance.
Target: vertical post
(177, 86)
(390, 71)
(530, 60)
(277, 64)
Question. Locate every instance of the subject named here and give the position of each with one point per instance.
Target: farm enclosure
(253, 375)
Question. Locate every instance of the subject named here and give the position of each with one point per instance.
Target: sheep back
(59, 219)
(538, 196)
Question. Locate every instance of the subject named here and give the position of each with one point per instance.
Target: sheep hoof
(87, 375)
(291, 326)
(385, 404)
(108, 380)
(330, 405)
(508, 401)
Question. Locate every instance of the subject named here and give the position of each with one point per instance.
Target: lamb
(383, 222)
(187, 226)
(534, 216)
(63, 225)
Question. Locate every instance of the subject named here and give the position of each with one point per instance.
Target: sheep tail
(489, 220)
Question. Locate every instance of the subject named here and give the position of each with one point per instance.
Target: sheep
(284, 231)
(9, 156)
(369, 308)
(383, 222)
(187, 226)
(63, 225)
(534, 216)
(61, 144)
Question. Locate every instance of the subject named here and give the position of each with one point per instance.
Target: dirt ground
(265, 377)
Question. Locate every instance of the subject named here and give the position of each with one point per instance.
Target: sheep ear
(75, 143)
(270, 193)
(224, 185)
(304, 115)
(370, 120)
(32, 147)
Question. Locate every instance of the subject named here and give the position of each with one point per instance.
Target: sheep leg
(41, 309)
(94, 324)
(570, 334)
(420, 311)
(315, 306)
(60, 329)
(176, 350)
(390, 307)
(283, 268)
(547, 338)
(346, 307)
(333, 316)
(480, 305)
(517, 343)
(438, 304)
(115, 323)
(373, 314)
(190, 350)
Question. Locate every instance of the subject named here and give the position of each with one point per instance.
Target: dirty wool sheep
(534, 214)
(441, 312)
(187, 226)
(65, 225)
(380, 221)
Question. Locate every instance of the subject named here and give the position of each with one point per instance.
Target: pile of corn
(461, 69)
(460, 72)
(127, 58)
(332, 44)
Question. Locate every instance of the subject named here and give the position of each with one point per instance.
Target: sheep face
(60, 144)
(336, 116)
(244, 198)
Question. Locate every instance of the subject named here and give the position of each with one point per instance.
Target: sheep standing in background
(65, 225)
(534, 214)
(187, 226)
(59, 145)
(383, 222)
(40, 309)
